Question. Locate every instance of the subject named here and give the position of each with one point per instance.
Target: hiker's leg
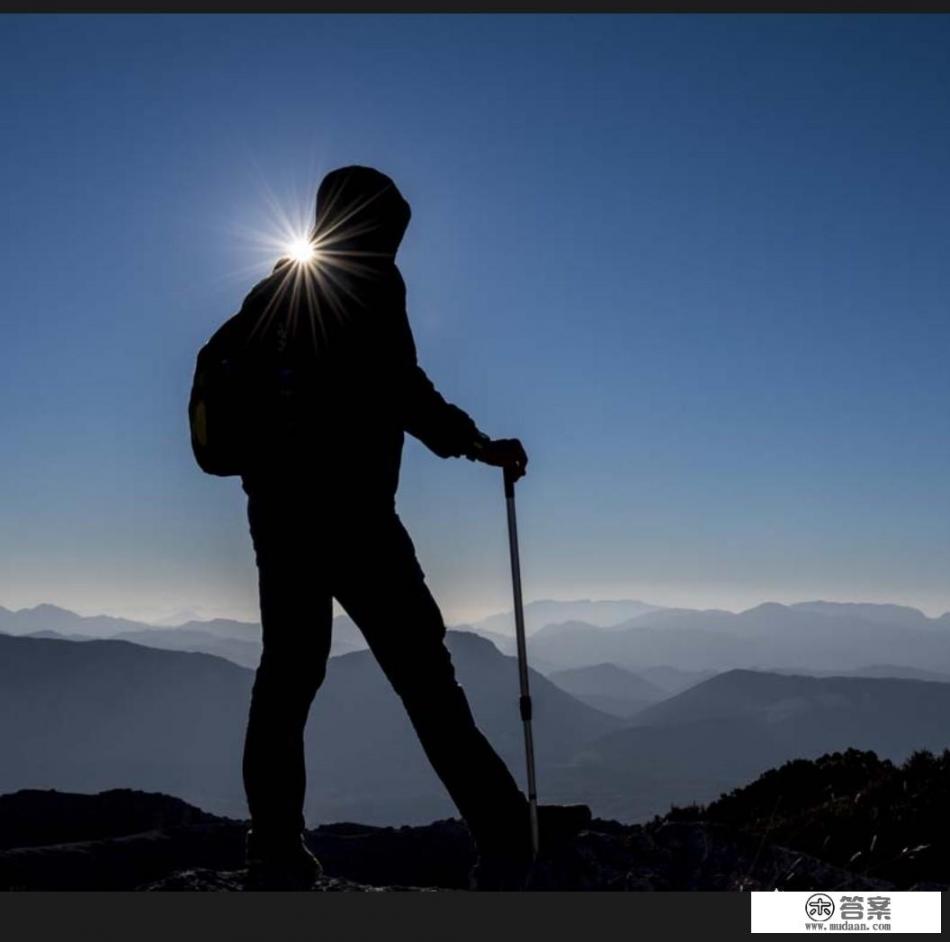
(382, 587)
(296, 616)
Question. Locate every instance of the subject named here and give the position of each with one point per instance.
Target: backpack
(240, 394)
(214, 410)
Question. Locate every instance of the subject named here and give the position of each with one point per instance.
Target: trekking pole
(525, 699)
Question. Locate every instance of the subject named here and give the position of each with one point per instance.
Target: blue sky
(698, 264)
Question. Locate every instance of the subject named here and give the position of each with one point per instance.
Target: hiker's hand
(505, 453)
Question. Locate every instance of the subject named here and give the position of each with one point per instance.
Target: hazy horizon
(170, 617)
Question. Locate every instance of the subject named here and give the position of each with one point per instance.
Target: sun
(301, 250)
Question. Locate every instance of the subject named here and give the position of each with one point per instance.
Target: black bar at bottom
(460, 916)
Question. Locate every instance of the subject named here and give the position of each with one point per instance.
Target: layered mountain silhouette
(819, 636)
(238, 641)
(91, 715)
(732, 727)
(847, 820)
(227, 641)
(672, 648)
(609, 688)
(603, 614)
(62, 621)
(86, 716)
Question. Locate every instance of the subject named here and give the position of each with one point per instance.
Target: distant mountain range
(237, 641)
(814, 636)
(603, 614)
(111, 713)
(53, 618)
(609, 688)
(669, 647)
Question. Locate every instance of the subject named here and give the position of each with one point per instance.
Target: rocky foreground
(672, 855)
(797, 827)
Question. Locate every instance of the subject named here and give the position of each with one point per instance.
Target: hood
(360, 210)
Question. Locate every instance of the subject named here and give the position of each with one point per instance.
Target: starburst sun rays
(316, 272)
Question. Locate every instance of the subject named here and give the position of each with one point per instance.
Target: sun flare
(301, 250)
(317, 284)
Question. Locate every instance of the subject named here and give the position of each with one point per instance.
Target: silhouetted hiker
(333, 387)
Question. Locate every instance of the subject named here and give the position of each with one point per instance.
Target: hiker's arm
(450, 432)
(442, 427)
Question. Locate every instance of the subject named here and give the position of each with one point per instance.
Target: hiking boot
(506, 864)
(498, 870)
(282, 863)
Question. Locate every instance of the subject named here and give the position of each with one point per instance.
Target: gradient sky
(698, 264)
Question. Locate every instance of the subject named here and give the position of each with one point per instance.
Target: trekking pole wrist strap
(477, 446)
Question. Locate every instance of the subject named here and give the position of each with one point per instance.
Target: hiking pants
(308, 553)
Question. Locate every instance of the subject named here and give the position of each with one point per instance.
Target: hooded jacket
(337, 332)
